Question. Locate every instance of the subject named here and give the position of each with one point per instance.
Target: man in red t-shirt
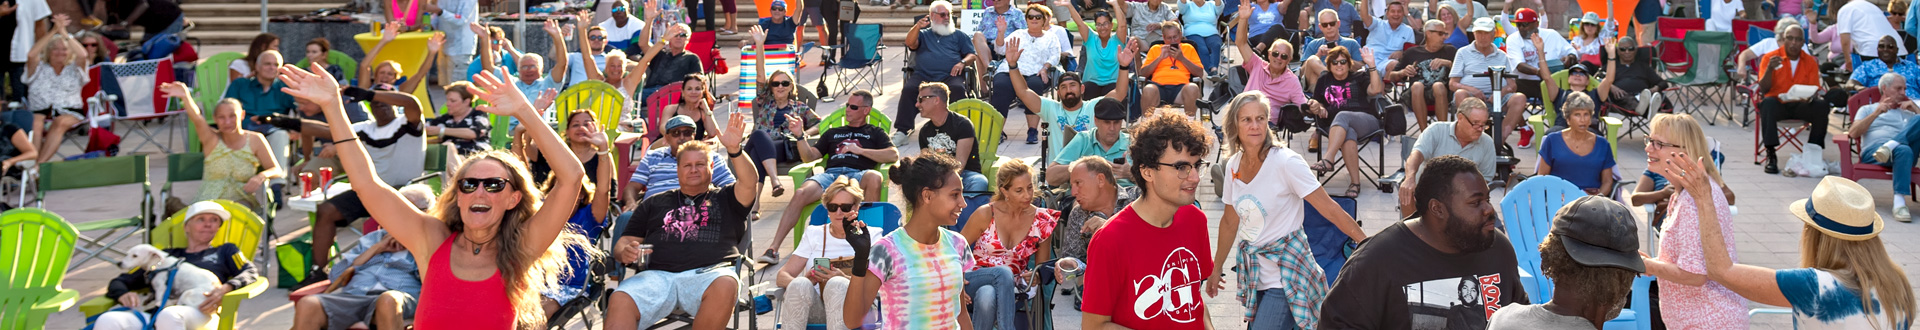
(1146, 267)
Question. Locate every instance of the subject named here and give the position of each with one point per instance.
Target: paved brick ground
(1766, 234)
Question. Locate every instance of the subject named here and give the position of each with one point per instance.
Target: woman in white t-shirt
(1271, 185)
(813, 293)
(1842, 257)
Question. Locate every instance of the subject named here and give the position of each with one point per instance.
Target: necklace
(476, 245)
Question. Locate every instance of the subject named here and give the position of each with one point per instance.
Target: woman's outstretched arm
(418, 231)
(547, 222)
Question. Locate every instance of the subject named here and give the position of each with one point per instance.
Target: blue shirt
(258, 101)
(576, 72)
(938, 54)
(659, 171)
(1459, 39)
(1348, 15)
(506, 62)
(1384, 40)
(1264, 18)
(453, 19)
(393, 270)
(1581, 170)
(779, 33)
(1822, 301)
(1103, 62)
(1312, 48)
(1016, 20)
(1200, 20)
(1868, 74)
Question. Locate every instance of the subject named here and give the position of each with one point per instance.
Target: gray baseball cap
(1599, 232)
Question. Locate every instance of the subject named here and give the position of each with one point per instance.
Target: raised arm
(387, 33)
(1240, 31)
(1125, 59)
(760, 51)
(747, 186)
(418, 231)
(558, 49)
(488, 61)
(434, 44)
(409, 106)
(546, 223)
(179, 91)
(1752, 282)
(1027, 96)
(592, 69)
(603, 184)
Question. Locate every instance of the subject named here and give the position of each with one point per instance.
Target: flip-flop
(779, 190)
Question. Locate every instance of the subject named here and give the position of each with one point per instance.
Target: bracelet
(733, 154)
(351, 139)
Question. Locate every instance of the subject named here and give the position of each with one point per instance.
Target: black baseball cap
(1109, 109)
(1599, 232)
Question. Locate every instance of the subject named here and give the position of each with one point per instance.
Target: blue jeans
(1274, 311)
(1903, 157)
(826, 177)
(992, 290)
(973, 183)
(1208, 47)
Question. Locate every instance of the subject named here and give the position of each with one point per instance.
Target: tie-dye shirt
(920, 283)
(1821, 301)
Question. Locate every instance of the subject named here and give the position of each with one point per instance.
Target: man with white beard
(940, 51)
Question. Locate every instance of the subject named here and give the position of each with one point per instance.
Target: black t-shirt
(159, 15)
(865, 136)
(7, 149)
(541, 169)
(474, 120)
(690, 232)
(948, 137)
(1637, 75)
(1418, 55)
(7, 22)
(667, 68)
(1343, 95)
(1396, 281)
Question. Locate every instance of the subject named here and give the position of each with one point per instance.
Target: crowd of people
(1108, 215)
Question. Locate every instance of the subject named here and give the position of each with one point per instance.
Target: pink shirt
(1281, 90)
(1709, 306)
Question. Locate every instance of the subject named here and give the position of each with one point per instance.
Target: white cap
(1482, 24)
(208, 207)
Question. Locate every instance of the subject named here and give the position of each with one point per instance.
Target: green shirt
(257, 101)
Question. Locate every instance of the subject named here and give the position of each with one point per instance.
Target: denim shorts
(826, 177)
(659, 293)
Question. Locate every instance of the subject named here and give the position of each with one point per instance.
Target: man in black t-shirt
(667, 60)
(1426, 68)
(1636, 72)
(950, 134)
(1452, 265)
(697, 228)
(853, 150)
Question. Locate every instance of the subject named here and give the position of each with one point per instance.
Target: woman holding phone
(816, 272)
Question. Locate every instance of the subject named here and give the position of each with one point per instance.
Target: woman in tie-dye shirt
(917, 271)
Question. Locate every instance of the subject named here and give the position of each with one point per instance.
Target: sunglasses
(1283, 56)
(1330, 24)
(1340, 62)
(857, 107)
(942, 13)
(849, 207)
(619, 9)
(779, 83)
(924, 97)
(493, 185)
(680, 133)
(596, 38)
(90, 45)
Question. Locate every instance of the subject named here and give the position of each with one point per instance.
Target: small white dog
(190, 284)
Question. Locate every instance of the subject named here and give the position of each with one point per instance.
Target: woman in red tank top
(487, 248)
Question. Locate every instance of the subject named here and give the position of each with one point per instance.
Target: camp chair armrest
(59, 302)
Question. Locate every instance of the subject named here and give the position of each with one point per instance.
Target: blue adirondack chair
(878, 214)
(1528, 210)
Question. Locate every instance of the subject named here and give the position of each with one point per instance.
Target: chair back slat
(33, 260)
(1528, 211)
(987, 124)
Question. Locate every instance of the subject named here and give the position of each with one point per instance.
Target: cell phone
(822, 263)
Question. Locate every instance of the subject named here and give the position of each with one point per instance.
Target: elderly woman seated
(225, 261)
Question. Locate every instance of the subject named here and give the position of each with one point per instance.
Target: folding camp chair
(1708, 81)
(32, 263)
(862, 55)
(244, 230)
(1330, 246)
(778, 57)
(744, 317)
(139, 103)
(101, 172)
(1371, 171)
(1672, 30)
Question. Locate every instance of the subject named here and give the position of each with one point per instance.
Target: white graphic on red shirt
(1174, 292)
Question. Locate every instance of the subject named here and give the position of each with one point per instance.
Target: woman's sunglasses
(850, 207)
(493, 185)
(779, 83)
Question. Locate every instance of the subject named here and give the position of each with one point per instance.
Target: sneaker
(771, 257)
(1033, 136)
(1900, 213)
(900, 138)
(1526, 138)
(1884, 152)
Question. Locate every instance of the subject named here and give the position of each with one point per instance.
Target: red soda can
(306, 185)
(326, 176)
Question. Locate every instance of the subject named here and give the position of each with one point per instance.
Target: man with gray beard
(940, 51)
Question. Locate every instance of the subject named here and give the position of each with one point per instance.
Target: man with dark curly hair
(1409, 275)
(1591, 255)
(1146, 267)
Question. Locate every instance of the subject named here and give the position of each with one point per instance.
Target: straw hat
(1840, 208)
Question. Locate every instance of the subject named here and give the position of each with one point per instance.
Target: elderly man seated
(1315, 51)
(1780, 71)
(697, 228)
(1172, 72)
(225, 261)
(1465, 137)
(1107, 140)
(379, 288)
(1476, 59)
(1097, 197)
(1888, 132)
(1889, 63)
(1424, 68)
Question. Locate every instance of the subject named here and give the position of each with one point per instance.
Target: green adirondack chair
(606, 102)
(101, 172)
(801, 172)
(987, 125)
(244, 230)
(210, 82)
(349, 68)
(500, 135)
(34, 259)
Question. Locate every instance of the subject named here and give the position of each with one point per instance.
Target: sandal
(779, 189)
(1322, 166)
(1353, 190)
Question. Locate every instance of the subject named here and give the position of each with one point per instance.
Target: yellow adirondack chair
(603, 99)
(987, 125)
(243, 230)
(33, 259)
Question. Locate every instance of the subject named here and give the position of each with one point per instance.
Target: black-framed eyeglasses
(1185, 168)
(680, 133)
(1330, 24)
(779, 83)
(1888, 46)
(1629, 49)
(837, 207)
(492, 185)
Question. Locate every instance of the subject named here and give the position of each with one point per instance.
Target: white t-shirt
(1768, 45)
(1078, 120)
(617, 33)
(1723, 14)
(1867, 24)
(1523, 52)
(1038, 51)
(836, 248)
(1274, 205)
(397, 149)
(241, 65)
(30, 11)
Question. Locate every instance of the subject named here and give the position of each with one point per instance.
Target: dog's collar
(176, 264)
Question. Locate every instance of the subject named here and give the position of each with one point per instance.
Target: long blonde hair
(1863, 266)
(75, 56)
(525, 274)
(1679, 128)
(1233, 120)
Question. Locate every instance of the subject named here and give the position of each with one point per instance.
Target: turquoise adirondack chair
(987, 126)
(210, 82)
(33, 258)
(244, 230)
